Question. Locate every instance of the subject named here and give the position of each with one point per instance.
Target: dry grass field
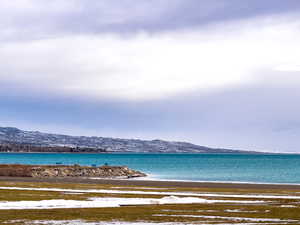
(83, 204)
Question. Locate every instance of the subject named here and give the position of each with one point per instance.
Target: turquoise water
(258, 168)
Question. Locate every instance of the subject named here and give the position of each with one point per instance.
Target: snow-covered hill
(15, 135)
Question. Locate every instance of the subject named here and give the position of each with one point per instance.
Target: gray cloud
(146, 67)
(29, 19)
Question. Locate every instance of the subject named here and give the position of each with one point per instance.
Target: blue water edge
(256, 168)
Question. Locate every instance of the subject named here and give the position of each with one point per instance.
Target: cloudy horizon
(215, 73)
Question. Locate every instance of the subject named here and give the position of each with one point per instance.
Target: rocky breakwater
(62, 171)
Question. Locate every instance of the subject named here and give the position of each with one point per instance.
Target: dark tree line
(15, 147)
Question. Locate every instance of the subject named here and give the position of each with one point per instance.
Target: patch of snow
(207, 210)
(288, 206)
(102, 191)
(108, 202)
(55, 204)
(72, 193)
(82, 222)
(97, 202)
(142, 188)
(231, 218)
(14, 221)
(251, 196)
(238, 210)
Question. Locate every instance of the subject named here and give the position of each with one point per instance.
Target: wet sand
(153, 183)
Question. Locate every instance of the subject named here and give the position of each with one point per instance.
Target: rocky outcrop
(68, 171)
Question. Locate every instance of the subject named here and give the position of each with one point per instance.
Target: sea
(249, 168)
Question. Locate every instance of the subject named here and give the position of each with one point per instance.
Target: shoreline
(202, 153)
(151, 183)
(148, 178)
(216, 182)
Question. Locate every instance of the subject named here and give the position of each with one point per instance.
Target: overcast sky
(220, 73)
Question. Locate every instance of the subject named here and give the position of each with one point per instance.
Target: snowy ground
(82, 222)
(260, 196)
(109, 202)
(188, 207)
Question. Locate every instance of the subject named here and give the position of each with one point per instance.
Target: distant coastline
(35, 141)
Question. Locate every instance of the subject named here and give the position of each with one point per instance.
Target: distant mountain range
(15, 136)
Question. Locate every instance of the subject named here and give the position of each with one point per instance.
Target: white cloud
(154, 66)
(34, 6)
(36, 19)
(288, 68)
